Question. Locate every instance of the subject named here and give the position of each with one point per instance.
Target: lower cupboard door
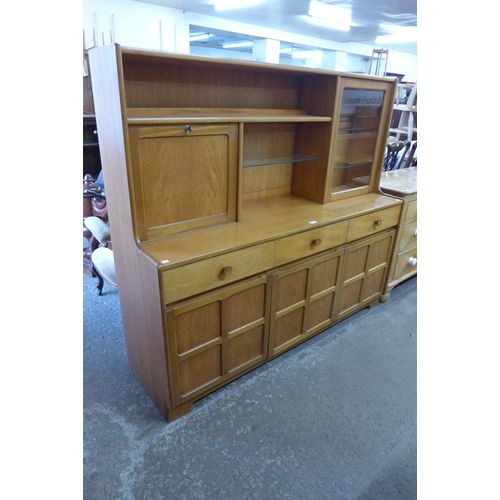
(365, 272)
(216, 336)
(303, 300)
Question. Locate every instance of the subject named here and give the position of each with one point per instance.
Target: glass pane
(356, 139)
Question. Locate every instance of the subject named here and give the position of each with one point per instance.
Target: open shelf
(155, 116)
(276, 159)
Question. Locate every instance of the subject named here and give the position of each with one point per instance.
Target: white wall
(149, 26)
(133, 24)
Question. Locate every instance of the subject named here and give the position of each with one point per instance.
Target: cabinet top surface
(402, 181)
(262, 221)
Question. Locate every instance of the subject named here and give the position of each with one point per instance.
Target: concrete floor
(334, 418)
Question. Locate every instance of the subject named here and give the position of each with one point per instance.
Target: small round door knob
(412, 261)
(316, 242)
(226, 271)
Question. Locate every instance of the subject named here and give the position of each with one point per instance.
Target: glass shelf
(258, 161)
(344, 166)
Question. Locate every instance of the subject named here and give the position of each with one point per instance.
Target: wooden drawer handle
(378, 222)
(226, 271)
(316, 242)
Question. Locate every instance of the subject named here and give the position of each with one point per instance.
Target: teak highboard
(238, 231)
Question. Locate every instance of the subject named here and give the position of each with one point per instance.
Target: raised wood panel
(291, 290)
(197, 327)
(303, 301)
(216, 336)
(365, 271)
(197, 372)
(246, 348)
(286, 329)
(319, 313)
(246, 308)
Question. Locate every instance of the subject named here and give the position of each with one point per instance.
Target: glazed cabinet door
(303, 300)
(214, 337)
(360, 124)
(365, 272)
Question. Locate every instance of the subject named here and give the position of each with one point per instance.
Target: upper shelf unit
(225, 134)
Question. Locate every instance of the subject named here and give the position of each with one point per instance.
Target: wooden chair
(98, 261)
(410, 160)
(103, 264)
(395, 152)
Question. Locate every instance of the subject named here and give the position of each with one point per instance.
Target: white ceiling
(368, 18)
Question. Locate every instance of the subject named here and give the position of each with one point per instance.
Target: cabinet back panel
(179, 85)
(266, 139)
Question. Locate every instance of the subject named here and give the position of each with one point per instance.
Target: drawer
(375, 222)
(411, 213)
(198, 277)
(408, 236)
(403, 265)
(309, 242)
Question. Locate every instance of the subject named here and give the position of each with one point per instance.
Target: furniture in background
(91, 154)
(238, 229)
(400, 154)
(403, 184)
(407, 123)
(96, 234)
(100, 253)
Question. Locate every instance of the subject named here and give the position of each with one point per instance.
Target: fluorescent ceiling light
(203, 36)
(234, 4)
(330, 13)
(399, 34)
(328, 24)
(238, 44)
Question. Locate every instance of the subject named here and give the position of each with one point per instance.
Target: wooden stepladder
(380, 56)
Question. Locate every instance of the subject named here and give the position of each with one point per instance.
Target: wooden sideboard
(238, 229)
(403, 184)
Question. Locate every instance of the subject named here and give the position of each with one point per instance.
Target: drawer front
(411, 214)
(375, 222)
(309, 242)
(208, 274)
(408, 236)
(403, 265)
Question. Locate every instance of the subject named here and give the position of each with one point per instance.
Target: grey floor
(334, 418)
